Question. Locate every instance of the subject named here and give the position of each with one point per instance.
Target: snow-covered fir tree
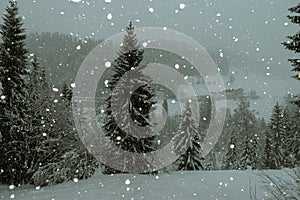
(127, 74)
(231, 160)
(64, 156)
(211, 163)
(277, 135)
(14, 150)
(291, 140)
(289, 129)
(244, 123)
(188, 142)
(40, 123)
(249, 156)
(268, 161)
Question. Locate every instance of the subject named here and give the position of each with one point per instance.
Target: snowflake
(107, 64)
(151, 10)
(182, 6)
(109, 16)
(127, 182)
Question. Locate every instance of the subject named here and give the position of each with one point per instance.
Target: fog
(248, 32)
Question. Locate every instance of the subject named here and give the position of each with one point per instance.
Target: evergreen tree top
(276, 118)
(13, 58)
(130, 42)
(11, 16)
(13, 34)
(130, 26)
(187, 114)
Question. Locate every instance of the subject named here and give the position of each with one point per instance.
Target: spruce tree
(277, 134)
(188, 139)
(287, 142)
(13, 64)
(127, 74)
(249, 157)
(294, 41)
(40, 123)
(62, 154)
(268, 162)
(292, 133)
(230, 162)
(244, 123)
(293, 44)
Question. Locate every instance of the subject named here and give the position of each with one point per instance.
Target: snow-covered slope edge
(179, 185)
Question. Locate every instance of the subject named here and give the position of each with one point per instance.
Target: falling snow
(75, 1)
(127, 182)
(182, 6)
(109, 16)
(107, 64)
(240, 37)
(151, 10)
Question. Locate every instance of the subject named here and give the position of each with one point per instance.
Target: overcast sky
(248, 32)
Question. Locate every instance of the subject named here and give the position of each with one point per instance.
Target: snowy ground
(199, 185)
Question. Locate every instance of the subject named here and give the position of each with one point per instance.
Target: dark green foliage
(38, 143)
(244, 122)
(281, 148)
(231, 161)
(244, 126)
(40, 116)
(292, 134)
(268, 162)
(132, 89)
(14, 150)
(294, 45)
(249, 156)
(277, 135)
(64, 156)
